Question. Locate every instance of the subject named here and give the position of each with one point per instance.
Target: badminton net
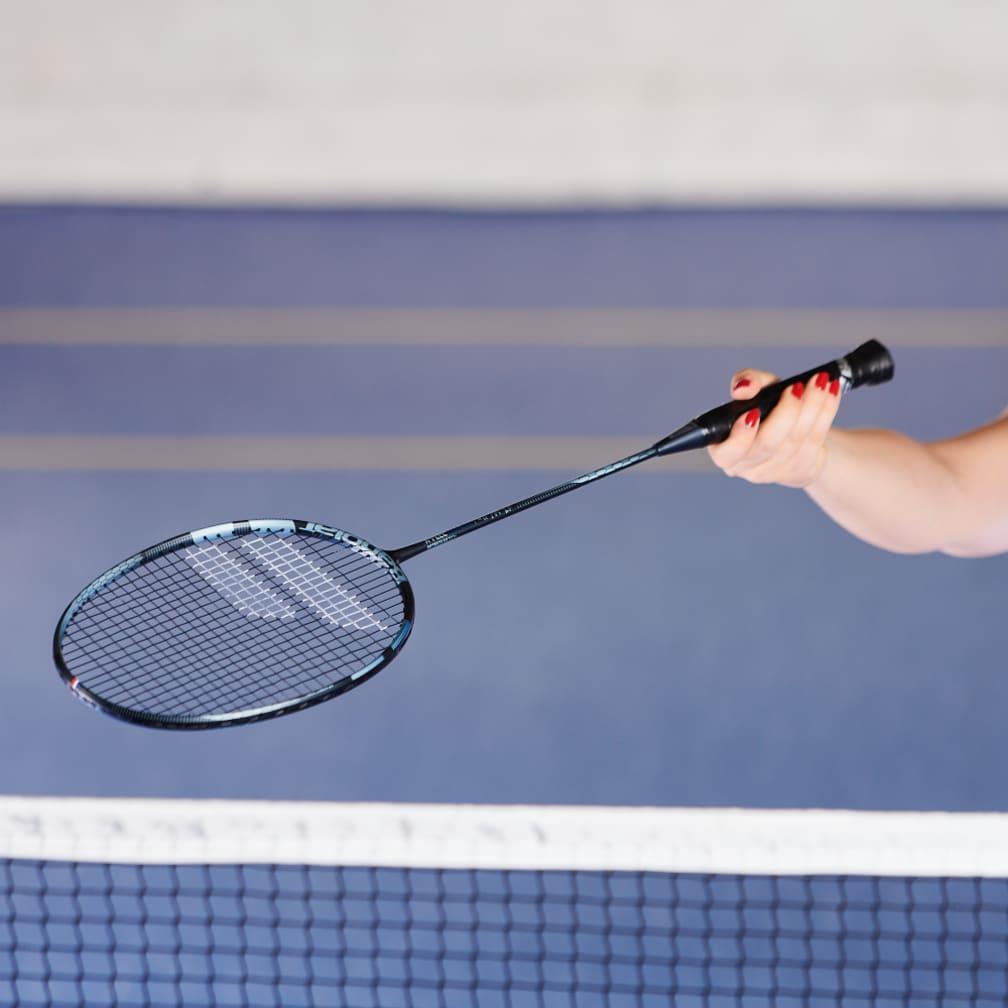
(167, 903)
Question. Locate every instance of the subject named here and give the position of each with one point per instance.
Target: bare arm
(884, 487)
(909, 497)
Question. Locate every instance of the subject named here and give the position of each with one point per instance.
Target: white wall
(520, 102)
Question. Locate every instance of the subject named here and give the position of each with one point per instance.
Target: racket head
(234, 623)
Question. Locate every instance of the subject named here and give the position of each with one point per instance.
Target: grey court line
(603, 327)
(163, 453)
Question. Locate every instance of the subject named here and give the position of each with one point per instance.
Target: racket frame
(216, 533)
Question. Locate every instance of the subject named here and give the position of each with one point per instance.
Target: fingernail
(798, 389)
(835, 387)
(741, 383)
(752, 418)
(821, 380)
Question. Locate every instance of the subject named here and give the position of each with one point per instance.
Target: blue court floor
(664, 637)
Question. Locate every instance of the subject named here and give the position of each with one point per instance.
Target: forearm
(891, 491)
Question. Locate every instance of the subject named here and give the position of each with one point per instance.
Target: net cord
(514, 837)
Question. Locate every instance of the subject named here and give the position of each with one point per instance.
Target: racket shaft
(404, 553)
(869, 364)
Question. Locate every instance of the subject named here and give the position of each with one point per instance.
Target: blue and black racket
(253, 619)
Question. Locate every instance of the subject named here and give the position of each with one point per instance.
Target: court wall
(454, 103)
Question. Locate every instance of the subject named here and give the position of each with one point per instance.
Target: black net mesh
(234, 625)
(107, 935)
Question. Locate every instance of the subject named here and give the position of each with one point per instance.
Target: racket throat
(404, 553)
(687, 438)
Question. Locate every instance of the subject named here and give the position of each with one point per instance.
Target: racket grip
(870, 364)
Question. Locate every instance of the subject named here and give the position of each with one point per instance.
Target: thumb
(747, 383)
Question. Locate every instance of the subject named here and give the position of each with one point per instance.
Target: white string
(323, 595)
(237, 582)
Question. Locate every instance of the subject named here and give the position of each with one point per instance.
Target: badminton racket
(248, 620)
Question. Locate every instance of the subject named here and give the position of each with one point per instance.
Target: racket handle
(870, 364)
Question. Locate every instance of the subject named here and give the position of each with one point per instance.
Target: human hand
(789, 445)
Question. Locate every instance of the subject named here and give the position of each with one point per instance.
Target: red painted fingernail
(752, 418)
(741, 383)
(798, 389)
(821, 380)
(835, 387)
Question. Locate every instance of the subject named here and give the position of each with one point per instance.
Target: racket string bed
(247, 622)
(143, 904)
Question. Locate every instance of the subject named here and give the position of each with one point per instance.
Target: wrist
(819, 470)
(821, 473)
